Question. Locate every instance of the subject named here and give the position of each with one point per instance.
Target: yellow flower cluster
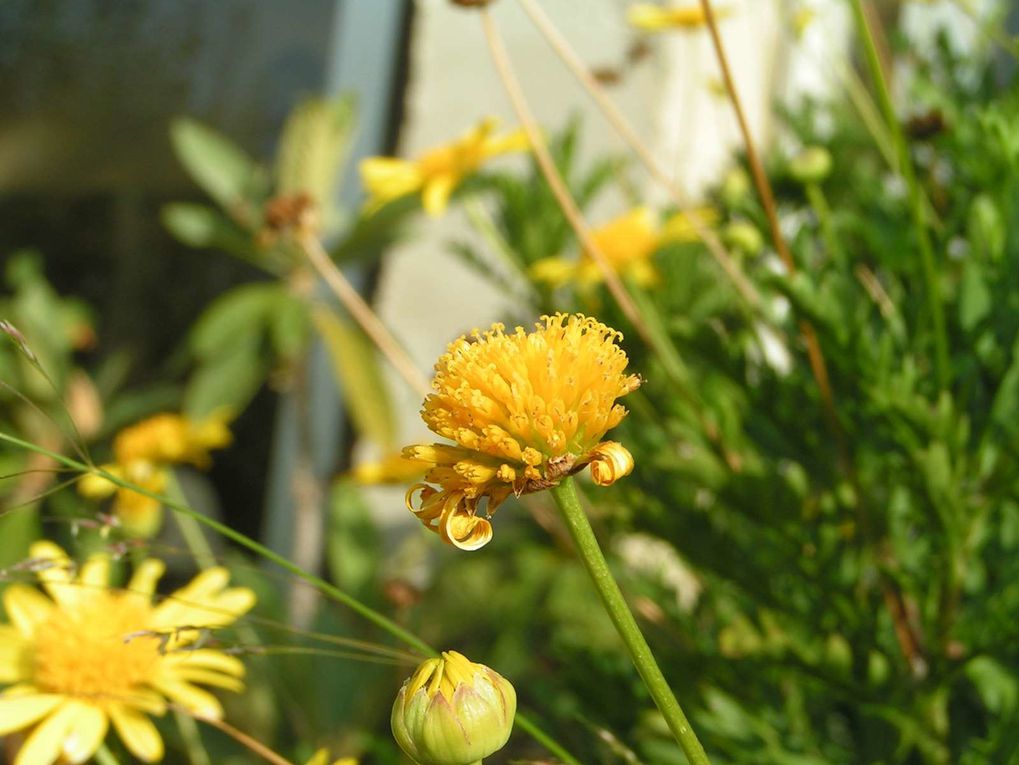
(89, 656)
(141, 455)
(436, 173)
(525, 410)
(628, 244)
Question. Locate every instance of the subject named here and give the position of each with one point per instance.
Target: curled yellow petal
(610, 461)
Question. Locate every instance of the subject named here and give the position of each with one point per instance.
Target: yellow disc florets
(525, 409)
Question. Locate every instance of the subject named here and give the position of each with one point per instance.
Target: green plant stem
(104, 756)
(190, 529)
(824, 219)
(917, 207)
(327, 589)
(192, 739)
(565, 495)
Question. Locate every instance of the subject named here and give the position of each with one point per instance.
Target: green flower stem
(824, 218)
(917, 206)
(565, 495)
(327, 589)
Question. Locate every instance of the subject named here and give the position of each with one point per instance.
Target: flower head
(437, 172)
(628, 243)
(90, 655)
(142, 453)
(452, 711)
(649, 17)
(525, 410)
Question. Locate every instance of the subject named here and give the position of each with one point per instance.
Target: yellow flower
(437, 172)
(628, 244)
(649, 17)
(321, 757)
(142, 453)
(170, 438)
(89, 656)
(525, 410)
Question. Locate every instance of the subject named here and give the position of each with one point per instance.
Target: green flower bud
(743, 236)
(452, 711)
(735, 187)
(812, 165)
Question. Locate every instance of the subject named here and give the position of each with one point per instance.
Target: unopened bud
(452, 711)
(812, 165)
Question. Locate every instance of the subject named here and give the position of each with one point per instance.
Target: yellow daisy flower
(89, 656)
(437, 172)
(142, 453)
(525, 409)
(649, 17)
(628, 243)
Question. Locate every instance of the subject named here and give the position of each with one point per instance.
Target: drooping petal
(26, 607)
(86, 734)
(22, 706)
(43, 745)
(137, 732)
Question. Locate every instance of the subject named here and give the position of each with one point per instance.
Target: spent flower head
(436, 173)
(524, 410)
(452, 711)
(88, 656)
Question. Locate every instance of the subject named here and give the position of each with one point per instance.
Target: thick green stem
(917, 200)
(318, 583)
(590, 553)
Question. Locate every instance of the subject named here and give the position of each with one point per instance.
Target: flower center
(94, 648)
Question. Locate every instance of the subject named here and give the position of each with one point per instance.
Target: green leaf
(220, 167)
(243, 312)
(353, 548)
(313, 150)
(974, 296)
(357, 371)
(289, 325)
(227, 381)
(199, 225)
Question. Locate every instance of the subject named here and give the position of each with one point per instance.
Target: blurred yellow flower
(628, 244)
(649, 17)
(525, 410)
(142, 453)
(89, 656)
(321, 757)
(437, 172)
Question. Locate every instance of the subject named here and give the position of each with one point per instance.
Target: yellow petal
(437, 191)
(12, 654)
(146, 576)
(200, 703)
(554, 271)
(205, 659)
(56, 576)
(137, 732)
(387, 178)
(43, 745)
(22, 706)
(26, 608)
(86, 734)
(209, 677)
(95, 486)
(95, 574)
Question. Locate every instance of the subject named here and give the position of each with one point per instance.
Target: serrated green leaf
(357, 370)
(215, 163)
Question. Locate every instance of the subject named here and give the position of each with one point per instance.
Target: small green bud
(743, 237)
(452, 711)
(812, 165)
(735, 186)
